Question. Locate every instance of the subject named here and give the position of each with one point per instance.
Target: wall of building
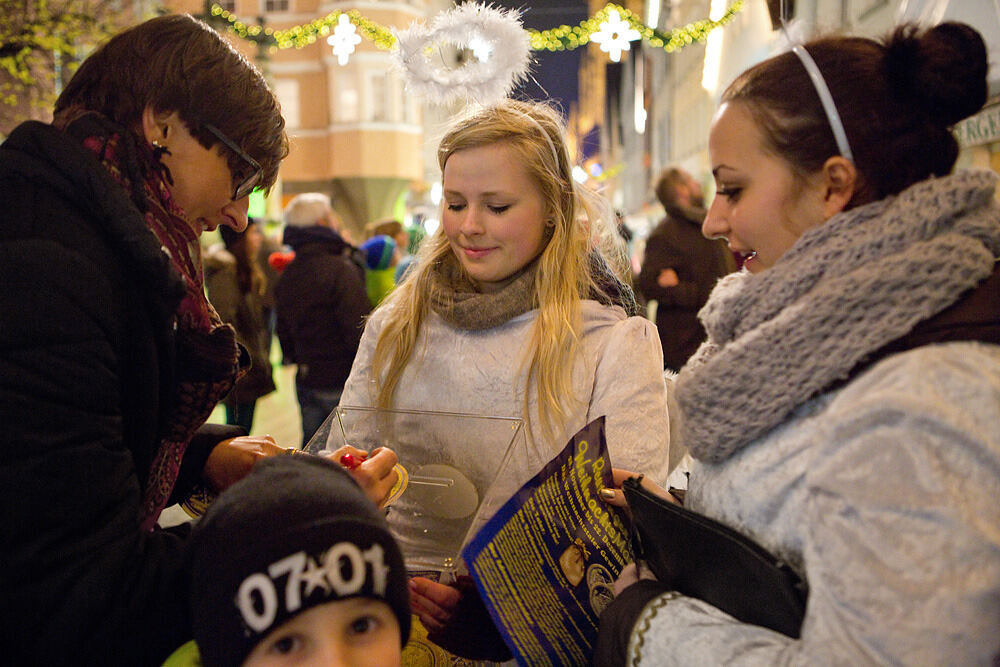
(353, 132)
(682, 107)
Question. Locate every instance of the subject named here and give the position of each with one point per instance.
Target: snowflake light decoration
(344, 38)
(615, 35)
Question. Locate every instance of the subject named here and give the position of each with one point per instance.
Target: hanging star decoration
(500, 50)
(344, 38)
(615, 35)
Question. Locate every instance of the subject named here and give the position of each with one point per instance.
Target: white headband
(826, 99)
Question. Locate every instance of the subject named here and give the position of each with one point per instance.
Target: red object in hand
(351, 462)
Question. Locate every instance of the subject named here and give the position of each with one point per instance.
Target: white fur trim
(497, 33)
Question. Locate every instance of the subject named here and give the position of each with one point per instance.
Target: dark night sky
(553, 74)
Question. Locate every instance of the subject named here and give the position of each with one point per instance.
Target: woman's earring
(159, 150)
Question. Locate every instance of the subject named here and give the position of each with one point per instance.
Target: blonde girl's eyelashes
(496, 209)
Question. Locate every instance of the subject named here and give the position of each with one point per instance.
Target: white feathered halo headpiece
(499, 43)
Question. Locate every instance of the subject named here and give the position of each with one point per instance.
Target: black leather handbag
(704, 559)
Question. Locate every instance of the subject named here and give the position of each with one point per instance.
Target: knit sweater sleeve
(901, 531)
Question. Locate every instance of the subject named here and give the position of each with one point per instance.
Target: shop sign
(983, 128)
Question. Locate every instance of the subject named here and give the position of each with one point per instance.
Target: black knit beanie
(292, 516)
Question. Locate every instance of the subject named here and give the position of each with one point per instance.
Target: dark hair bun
(941, 70)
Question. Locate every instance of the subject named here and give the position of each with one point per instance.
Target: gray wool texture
(845, 289)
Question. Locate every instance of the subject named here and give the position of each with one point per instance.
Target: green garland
(567, 38)
(556, 39)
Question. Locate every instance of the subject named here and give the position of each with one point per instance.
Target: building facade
(680, 90)
(354, 133)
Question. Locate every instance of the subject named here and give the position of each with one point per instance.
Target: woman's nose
(714, 226)
(235, 213)
(471, 222)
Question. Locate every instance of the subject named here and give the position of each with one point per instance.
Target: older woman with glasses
(111, 358)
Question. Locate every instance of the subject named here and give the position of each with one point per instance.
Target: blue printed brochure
(545, 563)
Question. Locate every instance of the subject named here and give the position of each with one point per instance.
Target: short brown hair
(667, 183)
(178, 63)
(390, 227)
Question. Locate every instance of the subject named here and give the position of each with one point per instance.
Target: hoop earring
(159, 150)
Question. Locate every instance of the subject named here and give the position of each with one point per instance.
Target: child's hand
(434, 603)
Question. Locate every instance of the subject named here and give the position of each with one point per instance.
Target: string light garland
(566, 38)
(562, 38)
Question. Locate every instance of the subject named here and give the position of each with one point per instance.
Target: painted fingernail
(607, 494)
(351, 462)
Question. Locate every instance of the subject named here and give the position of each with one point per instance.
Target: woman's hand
(614, 495)
(433, 602)
(232, 459)
(630, 574)
(373, 472)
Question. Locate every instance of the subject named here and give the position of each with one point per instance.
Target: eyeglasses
(245, 186)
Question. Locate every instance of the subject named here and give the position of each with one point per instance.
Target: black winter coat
(699, 262)
(86, 366)
(321, 303)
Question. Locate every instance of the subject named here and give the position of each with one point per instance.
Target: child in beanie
(295, 563)
(381, 258)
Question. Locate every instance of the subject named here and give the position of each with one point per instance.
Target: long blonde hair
(580, 224)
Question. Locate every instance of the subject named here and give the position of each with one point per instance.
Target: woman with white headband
(517, 308)
(844, 412)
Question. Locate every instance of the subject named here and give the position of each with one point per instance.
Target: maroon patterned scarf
(207, 357)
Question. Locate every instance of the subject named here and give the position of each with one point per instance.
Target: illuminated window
(287, 92)
(276, 6)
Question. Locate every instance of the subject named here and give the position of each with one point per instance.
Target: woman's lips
(476, 253)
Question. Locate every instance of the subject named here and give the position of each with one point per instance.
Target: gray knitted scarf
(859, 281)
(454, 297)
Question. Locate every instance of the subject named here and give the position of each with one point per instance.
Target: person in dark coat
(681, 266)
(236, 287)
(111, 358)
(321, 304)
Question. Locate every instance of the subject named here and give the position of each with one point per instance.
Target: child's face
(346, 633)
(494, 214)
(761, 207)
